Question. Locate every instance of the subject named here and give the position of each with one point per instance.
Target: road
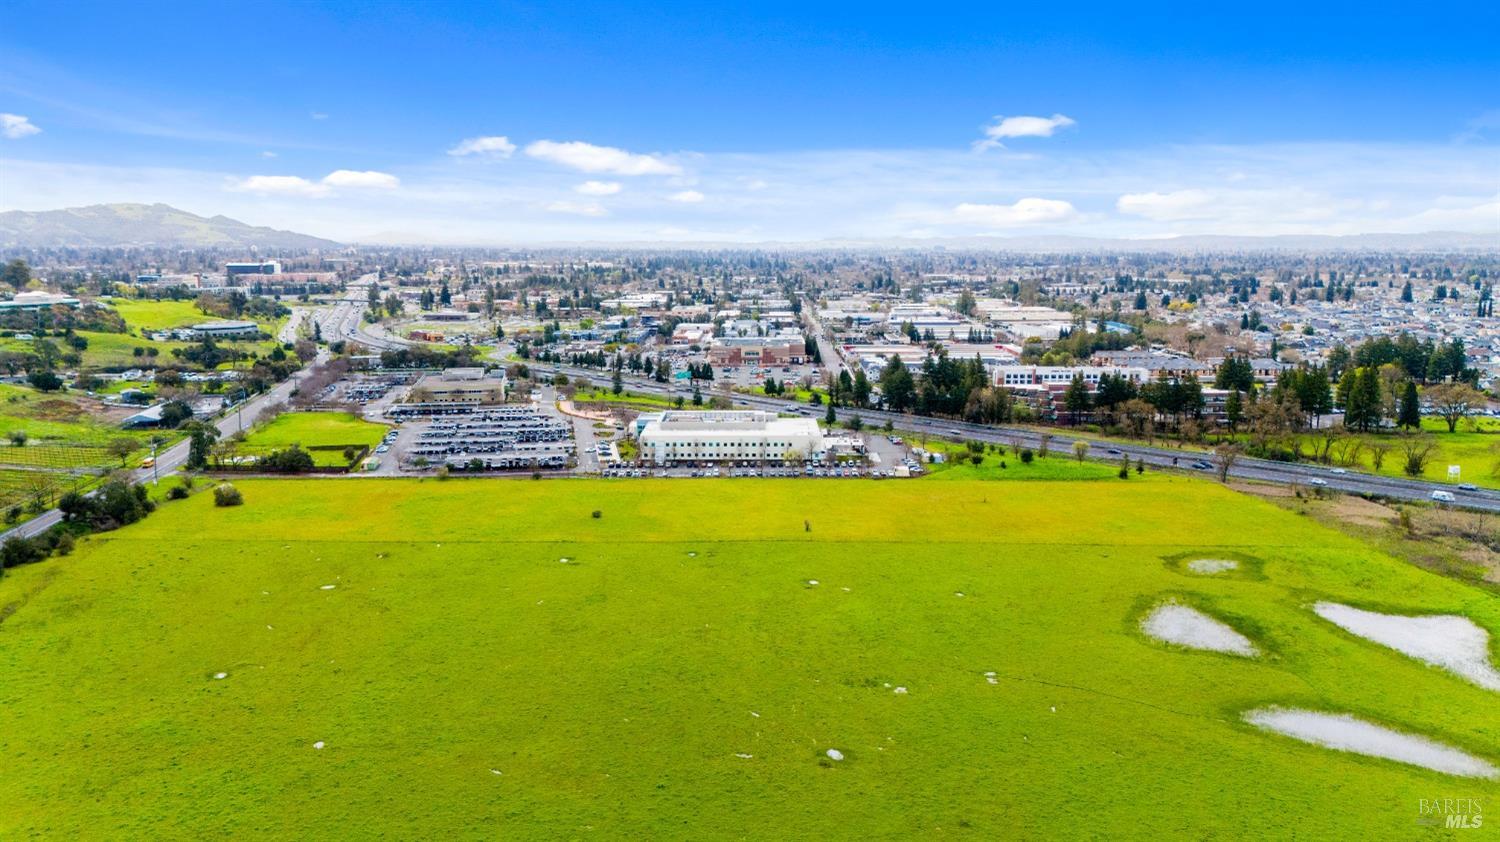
(833, 360)
(1263, 470)
(176, 456)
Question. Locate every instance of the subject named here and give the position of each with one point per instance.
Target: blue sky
(759, 122)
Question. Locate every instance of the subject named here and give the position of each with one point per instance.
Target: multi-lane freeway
(1264, 470)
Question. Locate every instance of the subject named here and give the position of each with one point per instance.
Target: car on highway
(1115, 451)
(1443, 496)
(1339, 471)
(1467, 486)
(1317, 481)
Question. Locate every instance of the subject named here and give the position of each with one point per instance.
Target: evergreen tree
(1409, 415)
(1076, 399)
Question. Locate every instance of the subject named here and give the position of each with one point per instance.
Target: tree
(1406, 293)
(1360, 388)
(861, 389)
(16, 273)
(1224, 457)
(1080, 450)
(1417, 451)
(174, 413)
(1234, 410)
(1410, 414)
(966, 303)
(897, 386)
(616, 382)
(1076, 399)
(830, 417)
(44, 381)
(121, 448)
(1454, 402)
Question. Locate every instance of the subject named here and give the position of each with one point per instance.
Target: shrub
(177, 492)
(598, 514)
(292, 460)
(227, 495)
(18, 551)
(1027, 455)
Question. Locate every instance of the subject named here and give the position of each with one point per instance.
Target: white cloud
(1029, 211)
(598, 188)
(586, 157)
(279, 185)
(1006, 127)
(498, 146)
(15, 127)
(318, 115)
(364, 179)
(688, 197)
(578, 208)
(268, 154)
(1167, 207)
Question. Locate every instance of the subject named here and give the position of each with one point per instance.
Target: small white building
(727, 436)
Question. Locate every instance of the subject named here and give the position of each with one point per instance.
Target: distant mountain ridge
(102, 226)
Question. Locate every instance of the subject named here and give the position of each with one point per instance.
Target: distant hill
(142, 225)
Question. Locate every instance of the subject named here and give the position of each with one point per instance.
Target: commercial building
(460, 386)
(1045, 375)
(758, 350)
(727, 436)
(225, 330)
(256, 267)
(37, 300)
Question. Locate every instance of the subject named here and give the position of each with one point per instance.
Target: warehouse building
(727, 436)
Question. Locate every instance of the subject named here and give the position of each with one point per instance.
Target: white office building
(727, 436)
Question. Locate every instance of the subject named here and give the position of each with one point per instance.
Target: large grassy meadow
(680, 675)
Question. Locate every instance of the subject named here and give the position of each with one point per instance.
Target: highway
(1263, 470)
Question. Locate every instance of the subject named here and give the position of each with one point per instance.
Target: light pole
(154, 478)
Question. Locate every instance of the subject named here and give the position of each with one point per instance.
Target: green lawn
(466, 684)
(146, 314)
(326, 434)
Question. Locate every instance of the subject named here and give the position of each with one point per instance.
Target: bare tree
(1418, 452)
(1225, 455)
(1454, 402)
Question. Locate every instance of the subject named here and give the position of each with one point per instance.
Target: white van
(1443, 496)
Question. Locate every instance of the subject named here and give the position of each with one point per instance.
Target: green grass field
(147, 314)
(679, 677)
(1476, 451)
(318, 431)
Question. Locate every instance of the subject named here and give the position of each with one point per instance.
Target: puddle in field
(1449, 641)
(1342, 732)
(1192, 628)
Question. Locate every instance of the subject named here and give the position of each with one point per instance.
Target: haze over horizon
(598, 124)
